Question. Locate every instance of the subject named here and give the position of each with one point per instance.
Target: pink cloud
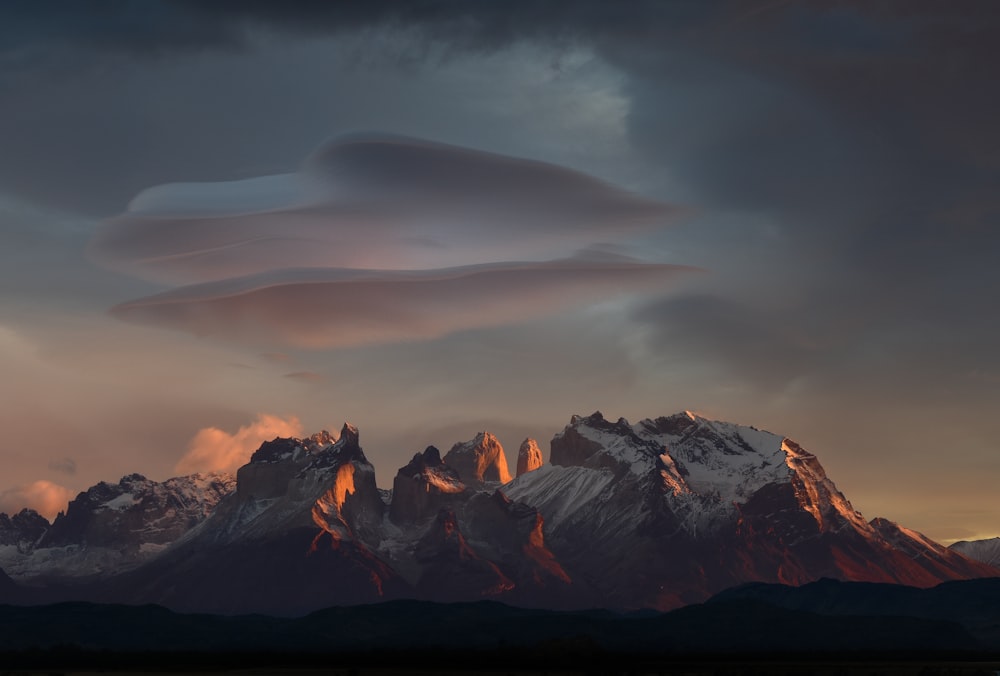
(215, 450)
(45, 497)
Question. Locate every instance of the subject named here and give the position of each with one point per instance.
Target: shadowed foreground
(825, 627)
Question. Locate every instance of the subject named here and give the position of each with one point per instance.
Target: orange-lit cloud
(318, 308)
(215, 450)
(45, 497)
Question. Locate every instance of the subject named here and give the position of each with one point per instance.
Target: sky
(222, 222)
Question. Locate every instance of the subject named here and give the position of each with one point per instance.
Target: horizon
(220, 224)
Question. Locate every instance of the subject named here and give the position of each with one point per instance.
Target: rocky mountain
(480, 461)
(529, 457)
(109, 528)
(658, 514)
(621, 502)
(298, 533)
(987, 551)
(22, 530)
(422, 487)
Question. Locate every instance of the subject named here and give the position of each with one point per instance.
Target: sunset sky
(225, 221)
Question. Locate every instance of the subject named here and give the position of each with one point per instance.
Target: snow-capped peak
(593, 441)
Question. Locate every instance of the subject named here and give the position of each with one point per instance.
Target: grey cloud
(322, 308)
(763, 347)
(154, 27)
(856, 142)
(371, 200)
(310, 377)
(276, 357)
(829, 346)
(63, 466)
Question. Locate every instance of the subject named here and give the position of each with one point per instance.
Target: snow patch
(121, 503)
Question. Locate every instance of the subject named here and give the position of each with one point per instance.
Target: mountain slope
(987, 551)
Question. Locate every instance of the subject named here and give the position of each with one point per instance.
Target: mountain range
(660, 514)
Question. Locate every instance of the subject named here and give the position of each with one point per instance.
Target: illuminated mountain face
(659, 514)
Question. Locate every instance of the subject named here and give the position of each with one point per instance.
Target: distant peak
(323, 438)
(131, 478)
(596, 420)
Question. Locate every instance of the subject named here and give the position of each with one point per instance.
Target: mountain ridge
(660, 514)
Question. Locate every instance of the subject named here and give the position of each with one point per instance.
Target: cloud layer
(379, 239)
(371, 201)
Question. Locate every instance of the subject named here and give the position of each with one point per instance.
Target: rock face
(986, 551)
(453, 571)
(479, 461)
(658, 514)
(459, 543)
(422, 487)
(529, 457)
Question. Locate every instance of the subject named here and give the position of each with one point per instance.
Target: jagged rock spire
(529, 457)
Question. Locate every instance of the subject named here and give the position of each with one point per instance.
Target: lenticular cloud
(319, 308)
(377, 239)
(370, 202)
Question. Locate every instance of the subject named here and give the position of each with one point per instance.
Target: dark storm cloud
(326, 308)
(145, 27)
(371, 200)
(861, 135)
(862, 132)
(103, 99)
